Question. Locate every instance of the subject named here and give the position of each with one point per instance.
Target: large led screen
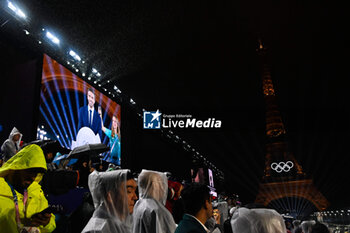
(75, 114)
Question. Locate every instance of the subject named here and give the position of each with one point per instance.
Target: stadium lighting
(116, 89)
(94, 71)
(74, 55)
(16, 10)
(53, 38)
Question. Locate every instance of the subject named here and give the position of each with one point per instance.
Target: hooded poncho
(29, 157)
(109, 194)
(150, 214)
(9, 148)
(257, 221)
(307, 225)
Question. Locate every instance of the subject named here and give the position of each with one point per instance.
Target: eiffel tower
(283, 175)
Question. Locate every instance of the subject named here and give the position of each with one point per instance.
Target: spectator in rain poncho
(257, 221)
(21, 196)
(150, 214)
(213, 223)
(296, 226)
(222, 206)
(113, 194)
(12, 145)
(307, 225)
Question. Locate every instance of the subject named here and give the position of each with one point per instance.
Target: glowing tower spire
(283, 176)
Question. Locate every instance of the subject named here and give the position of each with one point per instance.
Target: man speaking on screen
(88, 116)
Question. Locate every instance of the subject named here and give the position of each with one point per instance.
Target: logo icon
(151, 120)
(282, 166)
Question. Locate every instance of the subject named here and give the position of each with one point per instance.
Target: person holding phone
(114, 138)
(21, 197)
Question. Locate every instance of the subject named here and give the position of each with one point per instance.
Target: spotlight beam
(56, 110)
(69, 104)
(49, 62)
(53, 118)
(76, 92)
(52, 128)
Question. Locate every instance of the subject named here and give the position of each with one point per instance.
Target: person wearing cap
(21, 196)
(11, 145)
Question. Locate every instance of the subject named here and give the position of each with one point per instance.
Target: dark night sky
(199, 58)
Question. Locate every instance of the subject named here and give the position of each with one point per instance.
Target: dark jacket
(83, 120)
(189, 225)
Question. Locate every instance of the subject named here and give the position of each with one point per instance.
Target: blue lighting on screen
(61, 103)
(62, 96)
(48, 121)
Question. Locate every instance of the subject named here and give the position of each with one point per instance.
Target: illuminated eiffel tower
(283, 175)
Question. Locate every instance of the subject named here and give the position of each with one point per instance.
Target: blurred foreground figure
(150, 214)
(114, 196)
(319, 228)
(306, 226)
(21, 197)
(257, 221)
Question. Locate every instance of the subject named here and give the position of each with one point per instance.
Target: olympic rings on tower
(282, 166)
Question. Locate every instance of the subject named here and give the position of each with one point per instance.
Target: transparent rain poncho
(109, 194)
(307, 225)
(150, 214)
(257, 221)
(222, 206)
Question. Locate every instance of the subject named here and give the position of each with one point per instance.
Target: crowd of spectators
(38, 195)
